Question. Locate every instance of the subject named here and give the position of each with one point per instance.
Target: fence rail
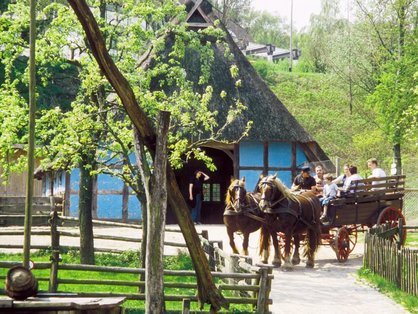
(243, 282)
(384, 257)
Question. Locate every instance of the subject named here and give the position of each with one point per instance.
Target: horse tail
(314, 231)
(265, 239)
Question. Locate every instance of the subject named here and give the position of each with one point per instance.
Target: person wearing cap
(304, 180)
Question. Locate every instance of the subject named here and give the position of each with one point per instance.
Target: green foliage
(181, 261)
(394, 98)
(96, 121)
(412, 239)
(406, 300)
(320, 105)
(267, 28)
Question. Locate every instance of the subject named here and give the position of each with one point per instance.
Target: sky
(302, 9)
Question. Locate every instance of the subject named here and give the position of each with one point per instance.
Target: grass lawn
(127, 259)
(412, 239)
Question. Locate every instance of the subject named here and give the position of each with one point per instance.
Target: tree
(232, 10)
(397, 59)
(65, 134)
(206, 288)
(267, 28)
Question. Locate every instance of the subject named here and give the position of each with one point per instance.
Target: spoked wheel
(342, 244)
(352, 235)
(391, 215)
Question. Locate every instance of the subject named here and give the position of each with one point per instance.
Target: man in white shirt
(376, 171)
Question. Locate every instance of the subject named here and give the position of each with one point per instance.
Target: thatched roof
(271, 119)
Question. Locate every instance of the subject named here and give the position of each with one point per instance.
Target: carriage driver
(304, 180)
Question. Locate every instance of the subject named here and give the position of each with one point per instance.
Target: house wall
(16, 183)
(113, 200)
(256, 158)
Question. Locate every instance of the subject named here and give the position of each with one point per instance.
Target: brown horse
(242, 213)
(292, 215)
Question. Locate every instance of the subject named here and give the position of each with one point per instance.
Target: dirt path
(331, 287)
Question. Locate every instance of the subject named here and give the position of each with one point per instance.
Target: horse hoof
(310, 265)
(276, 264)
(296, 261)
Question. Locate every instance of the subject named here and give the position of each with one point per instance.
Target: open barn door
(214, 189)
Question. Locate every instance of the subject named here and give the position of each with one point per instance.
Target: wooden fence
(399, 265)
(242, 282)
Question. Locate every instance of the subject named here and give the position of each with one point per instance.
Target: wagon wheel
(391, 215)
(342, 244)
(352, 233)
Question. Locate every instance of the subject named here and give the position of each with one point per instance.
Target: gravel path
(331, 287)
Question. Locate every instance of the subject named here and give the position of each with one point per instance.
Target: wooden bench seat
(369, 198)
(373, 189)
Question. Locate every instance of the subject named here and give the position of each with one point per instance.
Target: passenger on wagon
(304, 181)
(376, 172)
(319, 179)
(329, 193)
(354, 176)
(340, 180)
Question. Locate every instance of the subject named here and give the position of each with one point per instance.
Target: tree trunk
(85, 206)
(157, 208)
(207, 291)
(145, 175)
(397, 160)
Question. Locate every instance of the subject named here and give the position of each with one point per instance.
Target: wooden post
(264, 290)
(186, 306)
(55, 255)
(31, 149)
(231, 265)
(400, 232)
(211, 253)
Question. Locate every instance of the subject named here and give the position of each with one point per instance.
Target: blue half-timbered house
(276, 143)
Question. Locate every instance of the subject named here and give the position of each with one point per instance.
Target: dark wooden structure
(372, 201)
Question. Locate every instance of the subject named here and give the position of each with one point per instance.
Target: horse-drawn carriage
(285, 217)
(370, 202)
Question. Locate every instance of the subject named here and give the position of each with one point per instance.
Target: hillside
(322, 108)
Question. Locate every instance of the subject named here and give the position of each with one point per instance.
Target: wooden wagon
(371, 201)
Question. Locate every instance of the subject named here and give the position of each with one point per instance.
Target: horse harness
(248, 209)
(287, 209)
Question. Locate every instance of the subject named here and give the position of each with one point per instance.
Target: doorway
(214, 189)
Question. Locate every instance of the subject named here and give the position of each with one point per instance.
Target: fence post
(400, 233)
(232, 266)
(211, 253)
(186, 306)
(264, 289)
(55, 254)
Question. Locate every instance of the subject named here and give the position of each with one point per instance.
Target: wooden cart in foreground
(372, 201)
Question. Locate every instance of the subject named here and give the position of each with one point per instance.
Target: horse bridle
(274, 189)
(238, 187)
(245, 207)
